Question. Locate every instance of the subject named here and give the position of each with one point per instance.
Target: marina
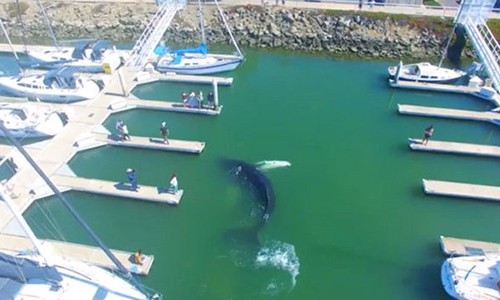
(455, 148)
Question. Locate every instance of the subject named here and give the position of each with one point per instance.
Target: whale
(271, 164)
(250, 174)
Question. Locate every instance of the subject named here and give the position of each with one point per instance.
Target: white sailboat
(197, 61)
(42, 275)
(425, 71)
(27, 120)
(61, 85)
(86, 56)
(472, 277)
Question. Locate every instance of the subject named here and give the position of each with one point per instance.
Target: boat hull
(425, 72)
(219, 66)
(89, 90)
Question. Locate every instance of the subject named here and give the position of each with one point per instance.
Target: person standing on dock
(211, 100)
(164, 132)
(138, 258)
(200, 99)
(125, 132)
(119, 128)
(427, 134)
(184, 98)
(360, 5)
(132, 178)
(174, 187)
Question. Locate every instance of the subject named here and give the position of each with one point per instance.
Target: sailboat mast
(8, 40)
(31, 235)
(52, 34)
(70, 208)
(228, 29)
(451, 35)
(202, 25)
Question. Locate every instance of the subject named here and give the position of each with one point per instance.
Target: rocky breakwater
(346, 33)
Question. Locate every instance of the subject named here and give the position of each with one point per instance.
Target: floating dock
(152, 143)
(117, 189)
(84, 253)
(455, 148)
(448, 113)
(147, 77)
(461, 247)
(447, 88)
(463, 190)
(171, 106)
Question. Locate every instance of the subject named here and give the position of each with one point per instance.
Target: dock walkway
(170, 106)
(152, 143)
(448, 113)
(463, 190)
(455, 148)
(85, 253)
(117, 189)
(461, 247)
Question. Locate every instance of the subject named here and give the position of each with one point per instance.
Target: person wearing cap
(164, 132)
(132, 178)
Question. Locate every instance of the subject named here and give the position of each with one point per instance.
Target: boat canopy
(64, 77)
(94, 47)
(24, 270)
(162, 50)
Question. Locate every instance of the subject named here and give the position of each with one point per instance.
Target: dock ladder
(153, 33)
(473, 15)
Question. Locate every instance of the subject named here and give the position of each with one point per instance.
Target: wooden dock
(455, 148)
(448, 113)
(89, 254)
(152, 143)
(463, 190)
(461, 247)
(171, 106)
(117, 189)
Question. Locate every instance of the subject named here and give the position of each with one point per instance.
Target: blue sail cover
(162, 50)
(25, 270)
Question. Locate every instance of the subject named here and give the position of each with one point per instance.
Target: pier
(151, 143)
(84, 253)
(171, 106)
(448, 113)
(454, 148)
(463, 190)
(117, 189)
(461, 247)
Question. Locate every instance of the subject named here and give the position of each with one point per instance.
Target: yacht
(29, 120)
(425, 72)
(472, 277)
(61, 85)
(87, 56)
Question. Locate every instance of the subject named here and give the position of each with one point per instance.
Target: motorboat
(28, 120)
(61, 85)
(425, 72)
(91, 56)
(195, 61)
(472, 277)
(41, 273)
(198, 61)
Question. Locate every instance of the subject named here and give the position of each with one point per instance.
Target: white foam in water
(281, 256)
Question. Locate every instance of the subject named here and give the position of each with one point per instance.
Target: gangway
(153, 32)
(473, 15)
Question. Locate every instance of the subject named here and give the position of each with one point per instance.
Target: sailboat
(198, 61)
(425, 71)
(39, 274)
(86, 56)
(472, 277)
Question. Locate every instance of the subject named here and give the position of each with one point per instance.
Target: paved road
(444, 11)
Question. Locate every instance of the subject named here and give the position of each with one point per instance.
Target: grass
(431, 3)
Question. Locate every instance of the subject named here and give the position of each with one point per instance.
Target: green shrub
(12, 9)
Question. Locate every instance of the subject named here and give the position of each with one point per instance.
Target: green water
(350, 216)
